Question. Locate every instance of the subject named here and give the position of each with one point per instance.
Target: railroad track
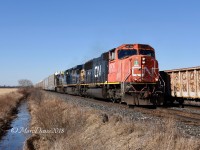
(179, 114)
(187, 119)
(186, 114)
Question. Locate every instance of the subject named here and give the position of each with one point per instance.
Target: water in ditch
(15, 137)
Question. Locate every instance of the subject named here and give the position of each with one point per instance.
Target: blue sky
(40, 37)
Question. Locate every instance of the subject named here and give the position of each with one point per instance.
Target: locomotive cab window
(147, 52)
(112, 55)
(126, 53)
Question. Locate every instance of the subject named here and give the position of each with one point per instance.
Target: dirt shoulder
(58, 124)
(8, 103)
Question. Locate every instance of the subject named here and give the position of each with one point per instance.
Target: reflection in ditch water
(15, 137)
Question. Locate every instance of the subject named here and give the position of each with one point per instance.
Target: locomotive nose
(145, 69)
(150, 69)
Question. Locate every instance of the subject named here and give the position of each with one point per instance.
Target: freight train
(128, 73)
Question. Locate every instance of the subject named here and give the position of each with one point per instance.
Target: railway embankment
(60, 121)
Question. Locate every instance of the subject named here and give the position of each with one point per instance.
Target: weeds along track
(187, 120)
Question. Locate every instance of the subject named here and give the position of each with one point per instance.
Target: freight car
(49, 83)
(182, 84)
(128, 73)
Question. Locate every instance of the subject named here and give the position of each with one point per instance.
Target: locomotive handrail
(160, 78)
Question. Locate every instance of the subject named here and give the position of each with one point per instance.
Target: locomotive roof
(76, 67)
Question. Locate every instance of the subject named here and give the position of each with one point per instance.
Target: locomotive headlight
(143, 60)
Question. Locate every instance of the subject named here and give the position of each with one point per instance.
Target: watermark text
(37, 130)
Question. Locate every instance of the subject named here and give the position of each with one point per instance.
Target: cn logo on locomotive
(97, 71)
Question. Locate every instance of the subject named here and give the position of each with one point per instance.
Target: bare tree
(25, 86)
(24, 83)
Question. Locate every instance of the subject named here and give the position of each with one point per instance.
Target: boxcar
(50, 83)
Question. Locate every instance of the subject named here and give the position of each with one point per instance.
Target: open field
(60, 124)
(7, 90)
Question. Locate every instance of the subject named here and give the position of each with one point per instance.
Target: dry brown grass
(8, 103)
(4, 91)
(56, 116)
(85, 128)
(167, 137)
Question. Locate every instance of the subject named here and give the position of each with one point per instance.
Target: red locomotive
(128, 73)
(133, 63)
(133, 70)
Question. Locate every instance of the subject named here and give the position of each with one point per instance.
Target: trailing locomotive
(128, 73)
